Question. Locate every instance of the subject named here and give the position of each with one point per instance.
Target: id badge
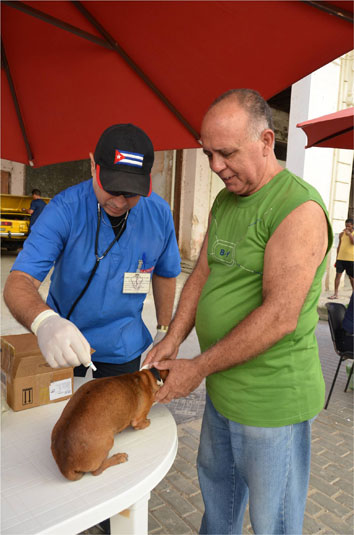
(136, 283)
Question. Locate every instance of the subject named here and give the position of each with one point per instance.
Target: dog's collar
(155, 372)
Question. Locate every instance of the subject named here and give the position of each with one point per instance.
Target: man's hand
(62, 344)
(166, 349)
(183, 377)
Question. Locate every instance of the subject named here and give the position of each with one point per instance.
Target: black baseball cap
(124, 156)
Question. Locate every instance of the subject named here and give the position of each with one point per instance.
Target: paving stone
(332, 446)
(328, 474)
(171, 522)
(346, 436)
(179, 504)
(197, 501)
(195, 520)
(195, 432)
(319, 484)
(344, 485)
(312, 508)
(196, 425)
(182, 484)
(334, 458)
(172, 469)
(153, 525)
(345, 499)
(190, 441)
(329, 504)
(343, 427)
(350, 520)
(318, 462)
(317, 448)
(311, 526)
(164, 484)
(185, 468)
(188, 454)
(155, 500)
(335, 523)
(181, 431)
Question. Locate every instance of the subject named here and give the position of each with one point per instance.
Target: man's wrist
(40, 318)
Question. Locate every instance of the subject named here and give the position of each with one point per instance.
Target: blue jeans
(269, 466)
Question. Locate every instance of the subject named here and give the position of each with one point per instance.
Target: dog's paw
(120, 457)
(141, 424)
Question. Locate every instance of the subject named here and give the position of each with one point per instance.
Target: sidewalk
(176, 506)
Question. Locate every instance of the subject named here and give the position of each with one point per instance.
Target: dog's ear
(163, 374)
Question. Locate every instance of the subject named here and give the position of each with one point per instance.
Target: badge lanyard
(98, 258)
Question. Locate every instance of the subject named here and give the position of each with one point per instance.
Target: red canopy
(334, 130)
(156, 64)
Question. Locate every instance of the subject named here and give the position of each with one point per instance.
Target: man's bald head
(258, 110)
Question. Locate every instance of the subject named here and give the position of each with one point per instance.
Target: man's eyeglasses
(126, 195)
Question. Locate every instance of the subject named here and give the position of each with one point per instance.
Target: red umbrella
(334, 130)
(77, 67)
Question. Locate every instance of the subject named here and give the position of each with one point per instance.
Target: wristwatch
(163, 328)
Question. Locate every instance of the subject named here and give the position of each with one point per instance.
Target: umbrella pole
(117, 48)
(331, 9)
(107, 42)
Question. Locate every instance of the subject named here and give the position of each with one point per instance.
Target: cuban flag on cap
(129, 158)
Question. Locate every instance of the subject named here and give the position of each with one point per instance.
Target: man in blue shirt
(106, 238)
(36, 207)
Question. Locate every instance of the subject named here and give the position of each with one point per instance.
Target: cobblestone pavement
(176, 505)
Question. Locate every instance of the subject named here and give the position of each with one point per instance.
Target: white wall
(17, 180)
(329, 170)
(311, 97)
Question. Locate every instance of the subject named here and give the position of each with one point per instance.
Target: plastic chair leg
(333, 382)
(350, 376)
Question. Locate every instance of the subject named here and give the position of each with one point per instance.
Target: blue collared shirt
(64, 236)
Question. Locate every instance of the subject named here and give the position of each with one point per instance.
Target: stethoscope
(98, 258)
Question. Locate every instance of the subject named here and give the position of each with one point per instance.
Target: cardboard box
(27, 378)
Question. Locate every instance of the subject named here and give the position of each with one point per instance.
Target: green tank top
(284, 385)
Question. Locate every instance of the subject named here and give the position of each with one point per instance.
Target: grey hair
(254, 104)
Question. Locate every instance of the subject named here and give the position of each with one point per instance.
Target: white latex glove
(159, 336)
(60, 341)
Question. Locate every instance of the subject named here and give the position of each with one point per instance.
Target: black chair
(336, 313)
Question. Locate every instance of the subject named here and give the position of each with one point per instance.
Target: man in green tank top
(253, 300)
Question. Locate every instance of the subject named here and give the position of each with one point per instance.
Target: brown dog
(84, 433)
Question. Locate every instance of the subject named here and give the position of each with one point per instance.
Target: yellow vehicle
(14, 220)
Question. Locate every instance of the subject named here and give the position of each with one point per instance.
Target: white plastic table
(37, 499)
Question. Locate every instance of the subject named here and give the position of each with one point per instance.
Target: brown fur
(101, 408)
